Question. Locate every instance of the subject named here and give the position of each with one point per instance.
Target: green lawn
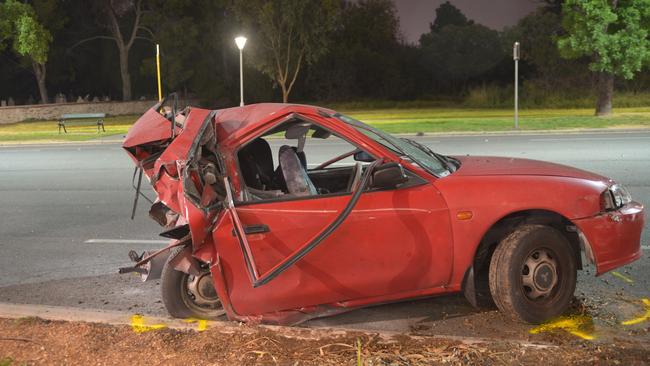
(477, 120)
(44, 131)
(398, 120)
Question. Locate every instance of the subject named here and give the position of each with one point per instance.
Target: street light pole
(241, 42)
(515, 56)
(158, 71)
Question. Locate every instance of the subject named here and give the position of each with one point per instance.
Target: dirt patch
(36, 341)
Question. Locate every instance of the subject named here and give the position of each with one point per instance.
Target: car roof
(237, 121)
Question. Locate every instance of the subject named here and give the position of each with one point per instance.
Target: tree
(112, 13)
(447, 14)
(187, 28)
(538, 33)
(285, 34)
(614, 34)
(20, 24)
(551, 6)
(176, 27)
(458, 53)
(456, 49)
(366, 57)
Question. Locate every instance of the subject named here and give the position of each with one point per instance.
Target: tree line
(315, 50)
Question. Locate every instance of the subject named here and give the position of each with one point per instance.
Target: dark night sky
(415, 15)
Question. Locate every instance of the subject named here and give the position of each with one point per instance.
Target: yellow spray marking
(644, 317)
(572, 324)
(202, 323)
(623, 277)
(139, 326)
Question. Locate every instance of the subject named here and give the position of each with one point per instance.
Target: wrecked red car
(279, 213)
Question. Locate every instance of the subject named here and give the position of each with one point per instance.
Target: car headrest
(320, 133)
(297, 130)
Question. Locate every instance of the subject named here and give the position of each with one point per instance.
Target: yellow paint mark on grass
(202, 323)
(139, 326)
(578, 325)
(644, 317)
(623, 277)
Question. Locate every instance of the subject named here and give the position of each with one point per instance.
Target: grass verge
(44, 131)
(478, 120)
(394, 120)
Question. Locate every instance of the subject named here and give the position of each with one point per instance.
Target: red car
(343, 215)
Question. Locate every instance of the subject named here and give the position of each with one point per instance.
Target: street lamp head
(515, 51)
(241, 42)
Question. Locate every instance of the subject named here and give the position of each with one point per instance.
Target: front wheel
(533, 274)
(188, 296)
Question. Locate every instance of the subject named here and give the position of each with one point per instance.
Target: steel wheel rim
(193, 294)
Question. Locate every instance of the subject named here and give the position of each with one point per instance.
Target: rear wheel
(188, 296)
(533, 274)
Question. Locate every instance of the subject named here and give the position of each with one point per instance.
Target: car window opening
(437, 164)
(300, 169)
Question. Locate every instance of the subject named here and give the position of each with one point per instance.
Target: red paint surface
(396, 244)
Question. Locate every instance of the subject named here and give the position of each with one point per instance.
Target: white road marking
(125, 241)
(569, 139)
(645, 247)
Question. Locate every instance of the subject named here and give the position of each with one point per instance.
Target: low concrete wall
(54, 111)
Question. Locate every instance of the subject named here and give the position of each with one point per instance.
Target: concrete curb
(71, 314)
(576, 131)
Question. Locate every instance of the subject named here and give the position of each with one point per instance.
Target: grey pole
(515, 56)
(241, 77)
(241, 42)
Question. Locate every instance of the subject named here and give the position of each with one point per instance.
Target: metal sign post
(515, 56)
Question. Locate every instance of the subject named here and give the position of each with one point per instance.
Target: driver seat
(256, 163)
(295, 173)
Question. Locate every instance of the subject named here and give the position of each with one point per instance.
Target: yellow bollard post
(158, 71)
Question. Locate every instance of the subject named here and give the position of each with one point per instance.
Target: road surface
(66, 227)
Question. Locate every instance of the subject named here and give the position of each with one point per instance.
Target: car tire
(178, 298)
(533, 274)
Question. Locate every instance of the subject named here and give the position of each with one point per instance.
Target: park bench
(80, 117)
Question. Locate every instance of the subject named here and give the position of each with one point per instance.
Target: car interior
(293, 176)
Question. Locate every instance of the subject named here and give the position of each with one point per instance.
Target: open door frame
(259, 280)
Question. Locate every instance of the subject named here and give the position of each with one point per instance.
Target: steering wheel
(338, 158)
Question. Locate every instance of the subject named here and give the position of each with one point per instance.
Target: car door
(394, 243)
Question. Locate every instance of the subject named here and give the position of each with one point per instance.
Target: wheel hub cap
(539, 274)
(544, 276)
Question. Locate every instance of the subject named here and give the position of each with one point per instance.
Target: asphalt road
(65, 215)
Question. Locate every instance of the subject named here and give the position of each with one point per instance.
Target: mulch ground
(41, 342)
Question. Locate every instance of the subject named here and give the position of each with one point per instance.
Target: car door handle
(254, 229)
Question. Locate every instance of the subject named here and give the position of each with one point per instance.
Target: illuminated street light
(241, 42)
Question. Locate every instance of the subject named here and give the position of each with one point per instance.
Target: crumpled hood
(492, 165)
